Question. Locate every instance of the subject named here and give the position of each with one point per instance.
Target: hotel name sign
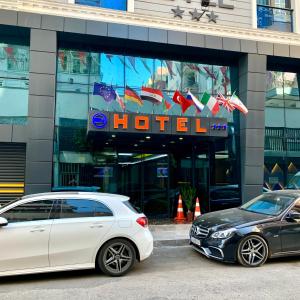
(100, 121)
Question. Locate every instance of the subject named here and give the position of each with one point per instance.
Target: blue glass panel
(14, 74)
(116, 4)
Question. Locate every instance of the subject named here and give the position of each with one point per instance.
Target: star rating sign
(212, 17)
(196, 15)
(178, 12)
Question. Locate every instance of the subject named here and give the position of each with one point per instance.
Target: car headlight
(223, 234)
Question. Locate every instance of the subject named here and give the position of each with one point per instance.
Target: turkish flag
(182, 101)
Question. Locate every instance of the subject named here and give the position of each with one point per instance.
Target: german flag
(131, 95)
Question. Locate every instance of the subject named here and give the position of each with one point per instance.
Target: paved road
(171, 273)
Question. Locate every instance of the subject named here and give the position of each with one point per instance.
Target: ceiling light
(148, 137)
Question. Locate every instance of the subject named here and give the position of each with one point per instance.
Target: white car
(70, 231)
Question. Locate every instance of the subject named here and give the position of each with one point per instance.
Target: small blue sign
(219, 127)
(99, 120)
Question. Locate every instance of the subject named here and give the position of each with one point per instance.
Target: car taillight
(143, 221)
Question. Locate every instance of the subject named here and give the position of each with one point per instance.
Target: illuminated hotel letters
(120, 121)
(156, 124)
(142, 123)
(162, 121)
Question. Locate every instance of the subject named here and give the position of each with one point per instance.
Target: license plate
(195, 241)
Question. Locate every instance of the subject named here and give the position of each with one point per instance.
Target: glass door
(129, 177)
(155, 185)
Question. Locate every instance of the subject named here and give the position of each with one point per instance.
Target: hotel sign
(156, 124)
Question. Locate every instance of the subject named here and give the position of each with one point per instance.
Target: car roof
(83, 194)
(292, 193)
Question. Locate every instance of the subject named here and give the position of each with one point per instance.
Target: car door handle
(37, 230)
(96, 225)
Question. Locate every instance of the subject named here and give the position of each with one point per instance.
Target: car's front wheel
(252, 251)
(116, 257)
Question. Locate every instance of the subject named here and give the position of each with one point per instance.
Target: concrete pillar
(252, 89)
(130, 5)
(42, 85)
(296, 15)
(254, 13)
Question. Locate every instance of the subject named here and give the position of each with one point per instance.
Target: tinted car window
(32, 211)
(81, 208)
(269, 204)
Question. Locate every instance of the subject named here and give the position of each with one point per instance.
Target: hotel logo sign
(156, 124)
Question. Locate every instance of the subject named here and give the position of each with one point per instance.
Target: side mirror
(3, 222)
(293, 215)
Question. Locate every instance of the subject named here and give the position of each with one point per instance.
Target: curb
(171, 243)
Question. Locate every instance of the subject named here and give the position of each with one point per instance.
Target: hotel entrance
(151, 170)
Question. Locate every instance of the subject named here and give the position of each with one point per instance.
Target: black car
(267, 226)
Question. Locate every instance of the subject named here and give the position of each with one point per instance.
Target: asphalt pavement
(171, 273)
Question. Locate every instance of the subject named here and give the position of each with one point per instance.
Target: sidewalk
(170, 235)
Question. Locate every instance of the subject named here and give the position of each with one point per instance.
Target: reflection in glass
(14, 82)
(79, 71)
(282, 134)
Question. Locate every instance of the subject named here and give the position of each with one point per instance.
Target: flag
(193, 67)
(182, 101)
(10, 53)
(210, 73)
(82, 57)
(166, 100)
(196, 102)
(238, 104)
(226, 80)
(131, 95)
(122, 59)
(211, 103)
(152, 95)
(63, 61)
(170, 67)
(120, 101)
(225, 102)
(144, 62)
(109, 57)
(107, 92)
(132, 62)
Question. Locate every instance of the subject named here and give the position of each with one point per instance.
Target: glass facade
(282, 140)
(149, 169)
(275, 15)
(115, 4)
(14, 80)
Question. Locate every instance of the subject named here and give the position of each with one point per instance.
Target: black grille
(199, 231)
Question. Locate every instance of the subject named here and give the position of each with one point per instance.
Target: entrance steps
(170, 234)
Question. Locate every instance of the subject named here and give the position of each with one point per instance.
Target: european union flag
(107, 92)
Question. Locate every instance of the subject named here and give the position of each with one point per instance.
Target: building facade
(74, 108)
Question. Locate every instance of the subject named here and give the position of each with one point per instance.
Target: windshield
(269, 204)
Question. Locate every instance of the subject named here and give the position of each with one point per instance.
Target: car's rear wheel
(116, 257)
(252, 251)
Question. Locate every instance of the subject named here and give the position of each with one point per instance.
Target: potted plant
(188, 194)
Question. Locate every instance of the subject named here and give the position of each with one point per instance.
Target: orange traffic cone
(180, 219)
(197, 209)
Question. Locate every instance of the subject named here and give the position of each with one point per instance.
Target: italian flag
(211, 103)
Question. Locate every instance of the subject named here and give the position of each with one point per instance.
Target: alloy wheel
(253, 251)
(117, 258)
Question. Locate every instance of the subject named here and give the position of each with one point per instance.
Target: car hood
(234, 217)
